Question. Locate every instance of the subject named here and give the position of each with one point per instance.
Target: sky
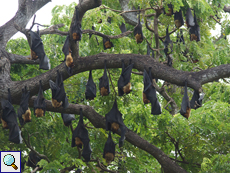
(8, 9)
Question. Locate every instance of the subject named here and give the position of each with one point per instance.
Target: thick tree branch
(25, 12)
(18, 59)
(99, 122)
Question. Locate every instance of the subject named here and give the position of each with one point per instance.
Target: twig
(35, 169)
(138, 73)
(107, 36)
(32, 23)
(215, 19)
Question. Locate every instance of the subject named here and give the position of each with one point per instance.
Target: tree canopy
(167, 142)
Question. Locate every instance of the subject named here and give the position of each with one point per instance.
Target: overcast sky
(8, 9)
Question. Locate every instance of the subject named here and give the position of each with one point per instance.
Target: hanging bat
(122, 27)
(109, 149)
(59, 97)
(185, 105)
(149, 94)
(196, 100)
(170, 10)
(90, 35)
(9, 120)
(67, 118)
(194, 31)
(33, 159)
(104, 83)
(24, 113)
(68, 56)
(86, 153)
(90, 92)
(138, 31)
(107, 43)
(124, 85)
(80, 133)
(114, 122)
(168, 44)
(37, 51)
(178, 19)
(189, 18)
(76, 28)
(39, 103)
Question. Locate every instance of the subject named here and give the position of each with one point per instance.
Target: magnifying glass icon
(9, 160)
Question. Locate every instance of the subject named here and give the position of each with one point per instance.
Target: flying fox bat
(59, 97)
(104, 83)
(149, 94)
(122, 27)
(76, 28)
(194, 31)
(107, 43)
(185, 105)
(138, 31)
(90, 92)
(68, 56)
(109, 149)
(39, 103)
(124, 85)
(37, 51)
(168, 44)
(80, 133)
(9, 120)
(170, 10)
(178, 19)
(196, 100)
(189, 18)
(33, 159)
(67, 118)
(114, 122)
(24, 113)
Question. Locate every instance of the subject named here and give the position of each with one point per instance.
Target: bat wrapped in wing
(9, 120)
(86, 153)
(104, 83)
(33, 159)
(168, 45)
(109, 149)
(68, 56)
(107, 43)
(138, 34)
(39, 103)
(24, 113)
(76, 28)
(196, 100)
(67, 118)
(170, 10)
(37, 51)
(124, 85)
(59, 97)
(122, 27)
(189, 18)
(178, 19)
(194, 31)
(149, 94)
(80, 133)
(90, 92)
(114, 122)
(185, 105)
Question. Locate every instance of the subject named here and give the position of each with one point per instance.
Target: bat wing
(189, 18)
(86, 153)
(109, 146)
(38, 48)
(90, 91)
(122, 138)
(127, 73)
(65, 48)
(67, 118)
(15, 133)
(8, 113)
(147, 81)
(104, 81)
(185, 102)
(122, 28)
(39, 102)
(114, 115)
